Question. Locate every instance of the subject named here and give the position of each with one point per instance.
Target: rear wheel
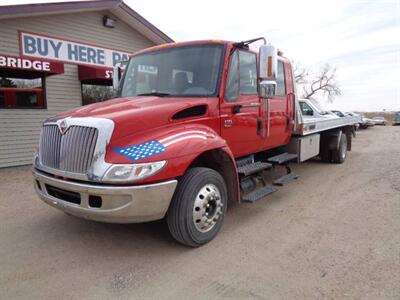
(339, 155)
(198, 207)
(325, 154)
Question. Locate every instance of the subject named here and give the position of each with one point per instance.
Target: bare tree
(96, 93)
(6, 82)
(323, 82)
(300, 73)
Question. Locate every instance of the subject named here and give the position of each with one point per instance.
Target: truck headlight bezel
(121, 173)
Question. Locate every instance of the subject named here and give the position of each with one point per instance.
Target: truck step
(285, 179)
(253, 168)
(282, 158)
(245, 160)
(259, 194)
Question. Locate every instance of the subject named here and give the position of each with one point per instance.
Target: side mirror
(116, 76)
(267, 89)
(268, 70)
(268, 62)
(118, 69)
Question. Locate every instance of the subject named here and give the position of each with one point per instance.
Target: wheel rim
(207, 209)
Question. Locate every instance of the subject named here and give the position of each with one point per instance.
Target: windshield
(318, 107)
(180, 71)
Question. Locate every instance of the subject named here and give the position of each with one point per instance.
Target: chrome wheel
(207, 208)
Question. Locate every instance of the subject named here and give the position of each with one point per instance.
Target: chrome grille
(71, 152)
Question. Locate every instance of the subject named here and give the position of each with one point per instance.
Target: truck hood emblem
(63, 126)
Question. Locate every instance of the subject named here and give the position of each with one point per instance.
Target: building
(54, 56)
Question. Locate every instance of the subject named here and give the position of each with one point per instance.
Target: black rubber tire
(339, 155)
(325, 154)
(180, 213)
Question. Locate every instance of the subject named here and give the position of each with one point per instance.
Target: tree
(300, 73)
(324, 82)
(96, 93)
(5, 82)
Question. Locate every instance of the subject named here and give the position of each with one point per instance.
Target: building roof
(116, 7)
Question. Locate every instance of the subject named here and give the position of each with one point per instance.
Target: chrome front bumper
(118, 204)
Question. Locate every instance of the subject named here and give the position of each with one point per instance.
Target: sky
(361, 39)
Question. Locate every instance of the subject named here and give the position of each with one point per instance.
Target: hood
(136, 114)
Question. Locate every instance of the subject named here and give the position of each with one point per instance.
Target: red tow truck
(194, 126)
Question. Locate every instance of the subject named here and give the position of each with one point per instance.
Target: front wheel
(198, 207)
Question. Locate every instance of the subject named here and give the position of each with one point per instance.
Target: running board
(259, 194)
(285, 179)
(256, 167)
(282, 158)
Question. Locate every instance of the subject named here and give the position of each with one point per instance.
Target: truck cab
(219, 87)
(190, 129)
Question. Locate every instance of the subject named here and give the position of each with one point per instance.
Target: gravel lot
(332, 234)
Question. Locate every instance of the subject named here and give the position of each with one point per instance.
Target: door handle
(237, 107)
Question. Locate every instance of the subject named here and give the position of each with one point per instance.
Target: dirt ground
(332, 234)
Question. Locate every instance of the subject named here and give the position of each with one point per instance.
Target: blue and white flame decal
(151, 148)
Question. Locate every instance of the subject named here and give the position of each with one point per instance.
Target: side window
(306, 110)
(280, 80)
(248, 73)
(232, 84)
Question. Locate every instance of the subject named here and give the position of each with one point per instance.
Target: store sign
(94, 73)
(35, 45)
(22, 63)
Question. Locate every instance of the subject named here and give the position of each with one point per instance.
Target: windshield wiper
(159, 94)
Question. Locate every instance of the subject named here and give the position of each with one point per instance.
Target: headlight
(132, 172)
(36, 157)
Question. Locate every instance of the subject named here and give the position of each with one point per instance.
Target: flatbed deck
(315, 125)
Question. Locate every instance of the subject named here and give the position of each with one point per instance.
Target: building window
(280, 80)
(248, 73)
(22, 93)
(93, 93)
(2, 100)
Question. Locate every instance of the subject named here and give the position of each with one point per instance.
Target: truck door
(280, 114)
(240, 108)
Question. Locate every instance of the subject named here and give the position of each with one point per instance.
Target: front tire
(198, 208)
